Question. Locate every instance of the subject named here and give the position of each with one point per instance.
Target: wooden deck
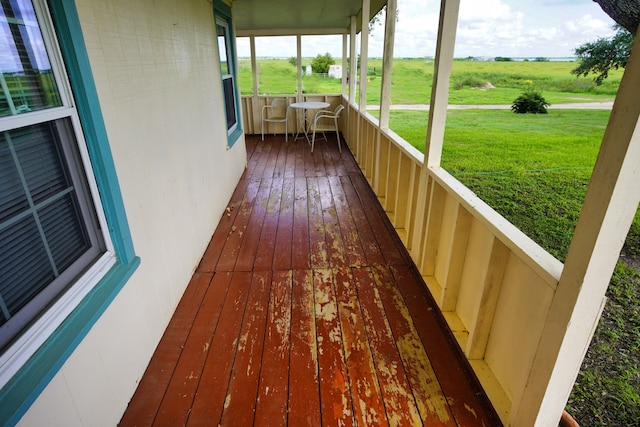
(306, 310)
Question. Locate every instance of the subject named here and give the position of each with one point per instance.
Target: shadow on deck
(306, 310)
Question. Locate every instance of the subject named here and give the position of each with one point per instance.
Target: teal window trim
(26, 385)
(222, 10)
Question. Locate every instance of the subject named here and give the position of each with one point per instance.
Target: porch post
(440, 87)
(254, 66)
(255, 104)
(387, 64)
(299, 63)
(438, 106)
(364, 54)
(344, 64)
(608, 210)
(353, 71)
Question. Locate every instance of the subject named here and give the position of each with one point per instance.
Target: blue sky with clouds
(486, 28)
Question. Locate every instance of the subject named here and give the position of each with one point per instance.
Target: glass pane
(13, 199)
(229, 102)
(42, 231)
(222, 49)
(24, 265)
(38, 153)
(25, 71)
(64, 232)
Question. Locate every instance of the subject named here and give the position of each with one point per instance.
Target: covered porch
(306, 309)
(520, 318)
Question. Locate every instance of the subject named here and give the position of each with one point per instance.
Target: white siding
(157, 74)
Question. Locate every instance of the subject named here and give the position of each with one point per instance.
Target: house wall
(157, 75)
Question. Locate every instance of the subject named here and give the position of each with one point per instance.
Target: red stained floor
(306, 310)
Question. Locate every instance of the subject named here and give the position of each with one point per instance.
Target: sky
(486, 28)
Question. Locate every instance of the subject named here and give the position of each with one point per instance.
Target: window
(227, 70)
(60, 201)
(51, 236)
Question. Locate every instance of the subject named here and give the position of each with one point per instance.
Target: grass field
(534, 170)
(411, 81)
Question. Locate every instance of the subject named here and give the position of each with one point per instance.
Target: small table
(305, 106)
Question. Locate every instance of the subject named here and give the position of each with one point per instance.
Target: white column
(255, 102)
(344, 64)
(440, 87)
(447, 26)
(387, 64)
(608, 210)
(364, 53)
(299, 66)
(353, 71)
(254, 66)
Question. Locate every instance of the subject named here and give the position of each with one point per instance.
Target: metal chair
(322, 126)
(277, 112)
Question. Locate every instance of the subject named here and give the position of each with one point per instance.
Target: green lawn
(533, 169)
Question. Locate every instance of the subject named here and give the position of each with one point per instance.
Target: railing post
(299, 66)
(438, 109)
(353, 71)
(344, 64)
(387, 64)
(255, 103)
(364, 54)
(607, 213)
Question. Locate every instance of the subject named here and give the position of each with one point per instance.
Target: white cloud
(485, 28)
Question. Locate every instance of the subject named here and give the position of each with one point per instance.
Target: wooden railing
(252, 110)
(493, 284)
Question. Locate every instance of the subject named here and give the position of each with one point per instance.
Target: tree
(377, 18)
(604, 54)
(321, 63)
(625, 12)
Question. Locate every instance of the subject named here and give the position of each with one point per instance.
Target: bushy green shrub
(530, 102)
(321, 63)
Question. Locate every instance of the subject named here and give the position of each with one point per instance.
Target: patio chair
(326, 121)
(277, 112)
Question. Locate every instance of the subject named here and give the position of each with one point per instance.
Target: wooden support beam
(299, 66)
(353, 71)
(440, 87)
(438, 109)
(254, 67)
(255, 105)
(345, 50)
(364, 54)
(607, 213)
(387, 64)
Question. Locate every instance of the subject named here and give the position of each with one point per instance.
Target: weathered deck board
(304, 400)
(245, 374)
(335, 395)
(306, 310)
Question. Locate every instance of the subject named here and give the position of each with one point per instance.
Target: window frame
(61, 330)
(222, 16)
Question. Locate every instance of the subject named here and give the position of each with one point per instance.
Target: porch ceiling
(293, 17)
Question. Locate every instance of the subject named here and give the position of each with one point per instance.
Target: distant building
(335, 71)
